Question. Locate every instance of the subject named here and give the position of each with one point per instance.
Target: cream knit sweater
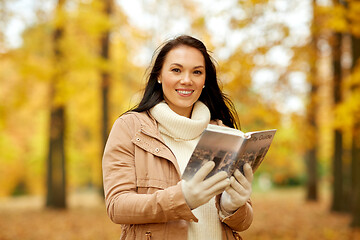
(181, 134)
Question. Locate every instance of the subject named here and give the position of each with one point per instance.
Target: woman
(149, 147)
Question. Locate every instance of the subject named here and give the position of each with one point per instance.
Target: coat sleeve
(124, 205)
(240, 220)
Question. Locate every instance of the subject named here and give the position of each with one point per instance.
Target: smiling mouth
(185, 92)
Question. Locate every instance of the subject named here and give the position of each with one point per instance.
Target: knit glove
(239, 191)
(198, 191)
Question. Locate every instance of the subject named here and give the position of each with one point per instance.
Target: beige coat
(143, 188)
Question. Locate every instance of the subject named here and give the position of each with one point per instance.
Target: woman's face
(182, 77)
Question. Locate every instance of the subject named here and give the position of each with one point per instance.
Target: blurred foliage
(266, 37)
(25, 75)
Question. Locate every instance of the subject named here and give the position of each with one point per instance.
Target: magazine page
(214, 146)
(255, 149)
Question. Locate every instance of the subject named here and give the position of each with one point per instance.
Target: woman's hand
(198, 191)
(239, 191)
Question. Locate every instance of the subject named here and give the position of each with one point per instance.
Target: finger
(203, 171)
(217, 188)
(241, 179)
(213, 180)
(237, 199)
(248, 172)
(236, 186)
(232, 192)
(212, 194)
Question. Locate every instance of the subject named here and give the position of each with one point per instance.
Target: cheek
(200, 83)
(167, 89)
(166, 86)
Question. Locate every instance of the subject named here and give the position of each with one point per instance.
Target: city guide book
(230, 149)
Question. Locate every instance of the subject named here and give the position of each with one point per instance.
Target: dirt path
(284, 214)
(279, 215)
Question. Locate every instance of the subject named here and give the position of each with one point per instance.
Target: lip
(185, 92)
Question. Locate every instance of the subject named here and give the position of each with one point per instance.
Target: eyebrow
(178, 64)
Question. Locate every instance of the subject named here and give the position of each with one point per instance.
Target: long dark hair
(220, 106)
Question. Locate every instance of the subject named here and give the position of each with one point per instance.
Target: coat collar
(149, 138)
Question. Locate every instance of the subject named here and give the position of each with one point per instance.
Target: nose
(186, 79)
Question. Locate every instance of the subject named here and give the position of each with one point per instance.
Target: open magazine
(230, 149)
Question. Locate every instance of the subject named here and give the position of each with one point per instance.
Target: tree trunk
(338, 191)
(56, 182)
(105, 78)
(311, 154)
(356, 140)
(356, 177)
(311, 158)
(56, 192)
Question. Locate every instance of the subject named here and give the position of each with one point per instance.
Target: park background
(69, 68)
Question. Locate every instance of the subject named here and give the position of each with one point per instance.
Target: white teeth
(184, 92)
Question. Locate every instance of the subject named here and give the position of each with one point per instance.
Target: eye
(177, 70)
(197, 72)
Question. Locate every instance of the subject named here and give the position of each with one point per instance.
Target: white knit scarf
(179, 127)
(180, 133)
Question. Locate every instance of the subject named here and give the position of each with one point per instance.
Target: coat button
(157, 150)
